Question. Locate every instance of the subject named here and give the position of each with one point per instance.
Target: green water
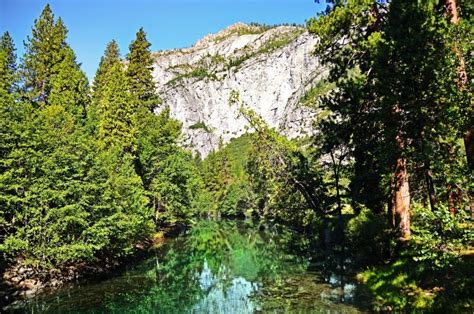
(216, 267)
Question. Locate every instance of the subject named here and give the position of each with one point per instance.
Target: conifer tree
(12, 114)
(44, 51)
(139, 72)
(7, 63)
(116, 113)
(69, 87)
(7, 144)
(110, 58)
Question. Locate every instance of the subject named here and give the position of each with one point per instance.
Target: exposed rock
(29, 284)
(270, 68)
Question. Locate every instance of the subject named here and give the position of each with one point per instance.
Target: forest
(93, 173)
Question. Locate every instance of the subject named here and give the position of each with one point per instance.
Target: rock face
(271, 68)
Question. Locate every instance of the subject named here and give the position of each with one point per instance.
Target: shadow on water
(228, 266)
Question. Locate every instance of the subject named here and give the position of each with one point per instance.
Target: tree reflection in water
(215, 267)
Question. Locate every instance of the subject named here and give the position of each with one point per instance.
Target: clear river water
(227, 266)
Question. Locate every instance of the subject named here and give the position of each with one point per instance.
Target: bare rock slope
(271, 68)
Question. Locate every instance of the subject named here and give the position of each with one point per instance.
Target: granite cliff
(271, 68)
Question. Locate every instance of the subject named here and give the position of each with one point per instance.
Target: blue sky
(168, 23)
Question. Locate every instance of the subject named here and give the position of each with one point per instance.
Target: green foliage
(120, 218)
(198, 73)
(108, 60)
(85, 191)
(371, 236)
(273, 44)
(176, 187)
(225, 179)
(8, 66)
(236, 62)
(394, 290)
(397, 96)
(140, 80)
(69, 87)
(280, 41)
(236, 199)
(286, 183)
(438, 235)
(116, 111)
(313, 96)
(428, 273)
(44, 50)
(241, 30)
(200, 125)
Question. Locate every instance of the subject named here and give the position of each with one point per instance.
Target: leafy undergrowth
(433, 272)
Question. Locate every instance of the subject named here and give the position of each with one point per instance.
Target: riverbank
(23, 280)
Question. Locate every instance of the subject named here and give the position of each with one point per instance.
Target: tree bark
(401, 187)
(401, 206)
(451, 200)
(469, 146)
(452, 12)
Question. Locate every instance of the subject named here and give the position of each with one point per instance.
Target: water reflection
(216, 267)
(222, 297)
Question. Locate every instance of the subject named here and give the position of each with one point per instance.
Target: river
(227, 266)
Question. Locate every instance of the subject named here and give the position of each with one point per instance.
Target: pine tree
(373, 130)
(9, 136)
(7, 63)
(139, 72)
(69, 87)
(12, 113)
(44, 51)
(116, 113)
(109, 59)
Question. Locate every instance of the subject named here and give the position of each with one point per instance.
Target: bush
(370, 235)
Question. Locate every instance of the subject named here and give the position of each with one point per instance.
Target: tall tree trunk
(336, 170)
(401, 206)
(469, 145)
(401, 187)
(451, 199)
(391, 204)
(430, 187)
(452, 12)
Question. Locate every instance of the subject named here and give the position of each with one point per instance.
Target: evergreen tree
(396, 100)
(44, 51)
(119, 213)
(7, 63)
(69, 87)
(139, 72)
(12, 114)
(108, 60)
(9, 112)
(116, 113)
(111, 57)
